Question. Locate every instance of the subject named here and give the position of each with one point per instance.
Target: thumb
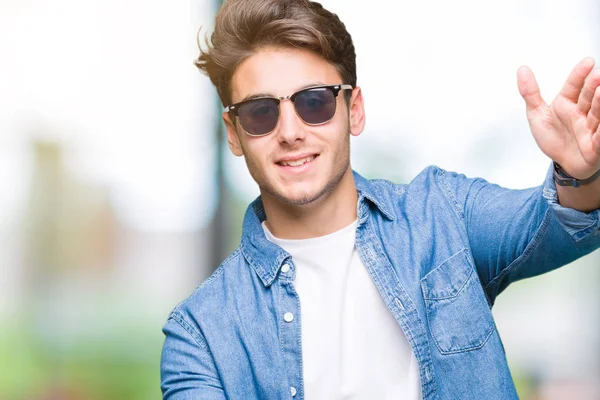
(529, 89)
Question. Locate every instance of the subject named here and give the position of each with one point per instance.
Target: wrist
(562, 178)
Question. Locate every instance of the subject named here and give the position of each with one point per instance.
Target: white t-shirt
(352, 347)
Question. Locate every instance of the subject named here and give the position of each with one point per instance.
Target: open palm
(568, 129)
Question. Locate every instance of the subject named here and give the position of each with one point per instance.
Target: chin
(299, 199)
(296, 196)
(303, 193)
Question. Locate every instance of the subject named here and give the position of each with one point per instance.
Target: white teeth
(297, 163)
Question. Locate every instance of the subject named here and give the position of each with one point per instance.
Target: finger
(572, 87)
(529, 89)
(593, 120)
(584, 103)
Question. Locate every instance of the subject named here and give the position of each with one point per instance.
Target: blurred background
(118, 196)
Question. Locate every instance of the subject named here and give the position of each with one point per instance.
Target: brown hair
(245, 26)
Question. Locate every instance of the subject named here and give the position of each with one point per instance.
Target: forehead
(280, 72)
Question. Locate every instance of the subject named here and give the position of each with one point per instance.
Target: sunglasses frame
(335, 89)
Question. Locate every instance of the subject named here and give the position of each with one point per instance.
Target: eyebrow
(261, 95)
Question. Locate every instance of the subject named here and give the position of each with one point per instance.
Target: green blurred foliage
(124, 365)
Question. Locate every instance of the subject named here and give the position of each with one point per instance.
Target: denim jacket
(439, 251)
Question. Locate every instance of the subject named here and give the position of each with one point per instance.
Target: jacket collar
(266, 257)
(367, 189)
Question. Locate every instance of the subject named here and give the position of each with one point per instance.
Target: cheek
(256, 155)
(343, 136)
(343, 151)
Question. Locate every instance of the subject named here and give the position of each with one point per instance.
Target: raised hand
(568, 129)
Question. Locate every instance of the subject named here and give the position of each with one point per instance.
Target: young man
(348, 288)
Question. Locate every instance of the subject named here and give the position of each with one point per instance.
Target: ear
(232, 137)
(357, 112)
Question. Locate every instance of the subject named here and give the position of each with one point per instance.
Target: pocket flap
(447, 279)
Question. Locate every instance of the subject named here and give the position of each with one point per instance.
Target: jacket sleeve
(517, 234)
(187, 368)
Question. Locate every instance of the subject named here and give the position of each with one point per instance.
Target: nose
(291, 127)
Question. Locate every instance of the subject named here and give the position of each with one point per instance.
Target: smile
(297, 163)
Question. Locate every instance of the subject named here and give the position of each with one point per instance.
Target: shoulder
(434, 175)
(430, 174)
(211, 295)
(434, 188)
(430, 178)
(454, 189)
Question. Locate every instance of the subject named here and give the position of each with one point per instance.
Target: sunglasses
(314, 105)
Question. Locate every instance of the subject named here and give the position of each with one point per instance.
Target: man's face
(323, 150)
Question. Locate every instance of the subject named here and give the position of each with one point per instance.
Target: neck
(332, 212)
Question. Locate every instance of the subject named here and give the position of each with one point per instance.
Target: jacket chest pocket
(458, 315)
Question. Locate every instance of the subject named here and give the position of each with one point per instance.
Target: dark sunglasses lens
(316, 106)
(259, 117)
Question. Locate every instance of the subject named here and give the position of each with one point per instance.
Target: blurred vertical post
(218, 231)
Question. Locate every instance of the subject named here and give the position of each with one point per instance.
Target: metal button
(288, 317)
(285, 268)
(293, 390)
